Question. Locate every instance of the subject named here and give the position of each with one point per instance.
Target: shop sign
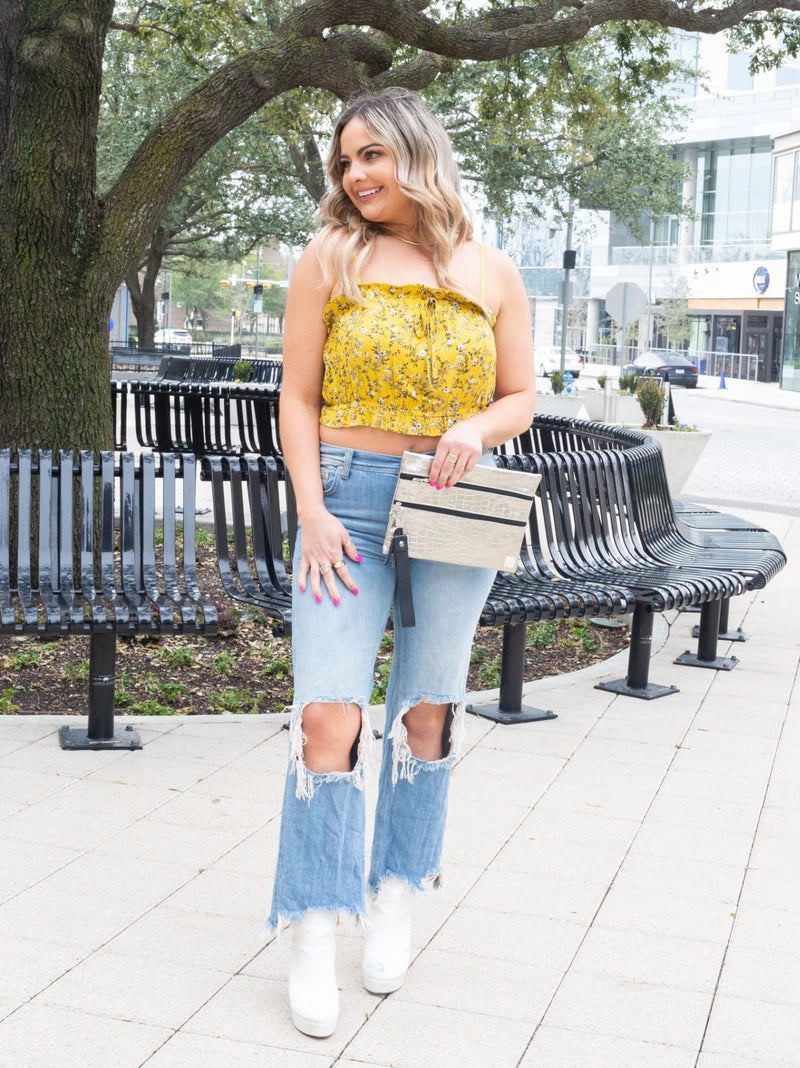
(761, 280)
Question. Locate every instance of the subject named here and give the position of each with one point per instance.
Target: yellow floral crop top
(413, 359)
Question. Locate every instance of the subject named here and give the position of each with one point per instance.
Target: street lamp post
(568, 263)
(166, 300)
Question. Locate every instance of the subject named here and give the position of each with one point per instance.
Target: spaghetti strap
(483, 273)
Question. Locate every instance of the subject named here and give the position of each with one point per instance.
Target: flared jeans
(322, 850)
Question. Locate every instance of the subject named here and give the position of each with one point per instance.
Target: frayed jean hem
(280, 921)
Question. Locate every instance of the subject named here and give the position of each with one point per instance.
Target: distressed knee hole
(425, 735)
(329, 741)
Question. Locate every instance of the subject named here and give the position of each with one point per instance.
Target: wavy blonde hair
(426, 172)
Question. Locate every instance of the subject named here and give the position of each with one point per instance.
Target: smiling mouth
(369, 192)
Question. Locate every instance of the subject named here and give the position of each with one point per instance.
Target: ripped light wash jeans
(321, 855)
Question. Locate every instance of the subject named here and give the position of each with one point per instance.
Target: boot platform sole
(384, 984)
(314, 1028)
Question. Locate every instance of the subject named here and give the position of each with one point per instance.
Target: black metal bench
(99, 546)
(219, 368)
(593, 549)
(248, 503)
(594, 520)
(228, 419)
(253, 504)
(604, 539)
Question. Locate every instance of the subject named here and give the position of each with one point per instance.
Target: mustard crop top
(413, 359)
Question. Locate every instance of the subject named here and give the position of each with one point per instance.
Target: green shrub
(601, 381)
(243, 370)
(652, 397)
(628, 382)
(556, 381)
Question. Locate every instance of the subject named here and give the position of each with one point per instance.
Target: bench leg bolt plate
(719, 663)
(78, 738)
(525, 714)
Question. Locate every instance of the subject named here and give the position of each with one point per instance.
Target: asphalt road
(752, 458)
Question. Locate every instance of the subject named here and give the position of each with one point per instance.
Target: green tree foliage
(584, 124)
(65, 247)
(240, 194)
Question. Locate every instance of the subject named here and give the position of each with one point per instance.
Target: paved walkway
(621, 884)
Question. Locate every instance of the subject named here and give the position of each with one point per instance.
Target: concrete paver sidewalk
(621, 884)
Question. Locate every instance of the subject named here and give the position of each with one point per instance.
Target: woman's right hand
(325, 550)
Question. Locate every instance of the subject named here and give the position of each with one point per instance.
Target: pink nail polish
(301, 588)
(438, 487)
(431, 482)
(335, 600)
(354, 591)
(359, 558)
(318, 598)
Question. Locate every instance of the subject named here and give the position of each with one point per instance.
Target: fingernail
(359, 558)
(438, 487)
(318, 598)
(431, 482)
(335, 600)
(354, 591)
(301, 588)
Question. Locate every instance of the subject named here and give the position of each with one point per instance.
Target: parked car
(668, 366)
(173, 337)
(548, 359)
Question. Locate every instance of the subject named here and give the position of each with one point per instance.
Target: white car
(548, 359)
(173, 337)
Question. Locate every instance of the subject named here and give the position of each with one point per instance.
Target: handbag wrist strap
(405, 597)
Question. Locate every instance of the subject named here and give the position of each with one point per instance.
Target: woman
(402, 333)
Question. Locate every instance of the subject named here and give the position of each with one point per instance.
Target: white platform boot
(388, 950)
(313, 993)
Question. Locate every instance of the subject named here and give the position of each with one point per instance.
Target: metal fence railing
(735, 364)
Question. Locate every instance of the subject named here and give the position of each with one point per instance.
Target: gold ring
(452, 458)
(325, 569)
(338, 564)
(348, 543)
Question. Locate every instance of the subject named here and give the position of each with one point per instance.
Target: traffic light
(258, 289)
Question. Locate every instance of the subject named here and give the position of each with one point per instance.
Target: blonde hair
(426, 172)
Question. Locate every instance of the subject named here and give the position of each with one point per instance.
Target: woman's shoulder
(498, 261)
(308, 269)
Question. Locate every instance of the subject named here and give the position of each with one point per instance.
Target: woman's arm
(512, 409)
(323, 537)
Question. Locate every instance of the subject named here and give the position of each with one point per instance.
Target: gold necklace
(405, 240)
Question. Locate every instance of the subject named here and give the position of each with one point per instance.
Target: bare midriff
(373, 439)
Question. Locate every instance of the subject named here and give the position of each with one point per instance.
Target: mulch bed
(245, 668)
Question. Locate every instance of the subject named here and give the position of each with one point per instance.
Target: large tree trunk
(54, 301)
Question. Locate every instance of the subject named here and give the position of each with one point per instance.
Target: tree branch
(307, 49)
(504, 32)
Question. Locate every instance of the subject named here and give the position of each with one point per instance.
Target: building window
(782, 193)
(734, 194)
(790, 365)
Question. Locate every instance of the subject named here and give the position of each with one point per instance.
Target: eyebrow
(362, 150)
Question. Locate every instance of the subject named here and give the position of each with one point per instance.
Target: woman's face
(369, 180)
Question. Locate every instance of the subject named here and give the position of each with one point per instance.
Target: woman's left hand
(458, 451)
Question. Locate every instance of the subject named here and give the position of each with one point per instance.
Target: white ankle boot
(313, 993)
(388, 950)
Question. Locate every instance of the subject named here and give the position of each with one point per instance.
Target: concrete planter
(681, 450)
(569, 405)
(622, 408)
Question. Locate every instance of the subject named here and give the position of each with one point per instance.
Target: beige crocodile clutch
(479, 522)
